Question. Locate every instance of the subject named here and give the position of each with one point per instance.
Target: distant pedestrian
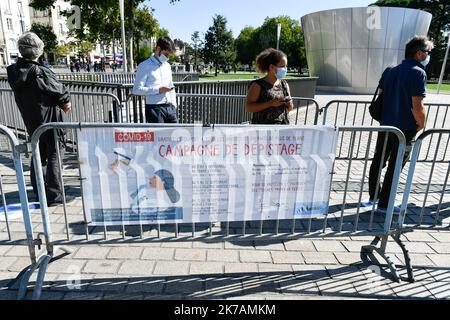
(269, 98)
(77, 66)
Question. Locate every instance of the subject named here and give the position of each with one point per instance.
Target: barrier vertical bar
(409, 180)
(61, 180)
(377, 189)
(344, 204)
(5, 208)
(422, 212)
(366, 161)
(41, 187)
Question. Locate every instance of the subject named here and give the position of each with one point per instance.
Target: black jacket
(39, 95)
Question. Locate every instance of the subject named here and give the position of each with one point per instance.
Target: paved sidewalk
(299, 269)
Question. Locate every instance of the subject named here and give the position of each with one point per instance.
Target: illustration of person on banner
(159, 193)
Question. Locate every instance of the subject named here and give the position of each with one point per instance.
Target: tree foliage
(100, 20)
(252, 41)
(219, 44)
(63, 50)
(246, 46)
(440, 23)
(196, 47)
(47, 36)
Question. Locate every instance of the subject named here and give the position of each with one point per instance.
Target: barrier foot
(40, 277)
(367, 255)
(408, 263)
(25, 279)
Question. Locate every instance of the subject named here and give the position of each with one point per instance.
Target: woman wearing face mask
(269, 98)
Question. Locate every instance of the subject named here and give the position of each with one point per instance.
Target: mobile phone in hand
(287, 99)
(171, 88)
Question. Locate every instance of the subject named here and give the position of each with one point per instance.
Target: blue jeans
(165, 113)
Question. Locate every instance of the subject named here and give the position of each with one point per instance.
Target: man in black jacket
(41, 98)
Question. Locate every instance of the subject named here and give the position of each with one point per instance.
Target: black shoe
(51, 204)
(55, 203)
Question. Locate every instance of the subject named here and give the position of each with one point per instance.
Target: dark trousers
(379, 162)
(50, 167)
(164, 113)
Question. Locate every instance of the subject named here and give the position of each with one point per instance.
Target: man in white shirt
(154, 80)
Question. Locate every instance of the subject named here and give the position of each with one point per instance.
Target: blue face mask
(426, 61)
(163, 58)
(281, 73)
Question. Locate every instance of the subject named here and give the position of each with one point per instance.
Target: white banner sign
(196, 174)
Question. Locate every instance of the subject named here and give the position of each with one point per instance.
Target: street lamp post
(444, 64)
(278, 35)
(124, 42)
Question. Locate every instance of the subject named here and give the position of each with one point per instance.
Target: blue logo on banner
(130, 216)
(306, 210)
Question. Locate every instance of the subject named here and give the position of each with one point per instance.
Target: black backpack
(376, 106)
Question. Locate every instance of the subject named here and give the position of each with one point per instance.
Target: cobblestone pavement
(318, 268)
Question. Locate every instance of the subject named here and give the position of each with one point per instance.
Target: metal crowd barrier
(17, 229)
(118, 77)
(345, 217)
(426, 199)
(86, 107)
(219, 109)
(356, 113)
(9, 113)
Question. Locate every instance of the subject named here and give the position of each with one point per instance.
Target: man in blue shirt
(404, 89)
(154, 80)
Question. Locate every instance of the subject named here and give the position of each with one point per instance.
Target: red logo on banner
(130, 137)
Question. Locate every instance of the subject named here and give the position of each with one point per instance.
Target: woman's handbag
(286, 95)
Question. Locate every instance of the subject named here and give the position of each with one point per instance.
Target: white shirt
(151, 76)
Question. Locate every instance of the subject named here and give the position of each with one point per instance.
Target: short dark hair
(166, 44)
(268, 57)
(418, 43)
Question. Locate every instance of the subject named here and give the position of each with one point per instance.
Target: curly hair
(269, 57)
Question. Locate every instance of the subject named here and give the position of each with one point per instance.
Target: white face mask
(426, 61)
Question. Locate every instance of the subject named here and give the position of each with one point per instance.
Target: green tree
(63, 50)
(196, 46)
(143, 54)
(246, 46)
(163, 33)
(219, 44)
(146, 28)
(47, 36)
(100, 20)
(291, 40)
(440, 23)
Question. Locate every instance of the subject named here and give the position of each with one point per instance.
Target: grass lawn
(432, 88)
(237, 76)
(445, 88)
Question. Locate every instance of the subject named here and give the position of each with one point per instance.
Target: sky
(187, 16)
